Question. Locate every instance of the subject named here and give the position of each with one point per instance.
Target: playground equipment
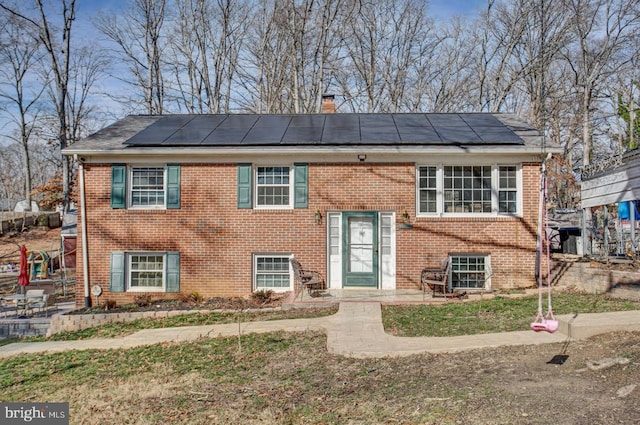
(38, 264)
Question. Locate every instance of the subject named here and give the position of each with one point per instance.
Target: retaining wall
(17, 328)
(78, 322)
(585, 277)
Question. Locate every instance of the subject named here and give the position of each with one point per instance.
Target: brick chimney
(328, 106)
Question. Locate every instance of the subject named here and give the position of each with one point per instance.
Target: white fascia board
(413, 154)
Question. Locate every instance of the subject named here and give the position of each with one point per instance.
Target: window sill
(146, 210)
(146, 291)
(470, 217)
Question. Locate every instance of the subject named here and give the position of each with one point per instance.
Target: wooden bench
(307, 279)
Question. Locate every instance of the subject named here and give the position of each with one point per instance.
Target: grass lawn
(290, 378)
(277, 378)
(191, 319)
(500, 314)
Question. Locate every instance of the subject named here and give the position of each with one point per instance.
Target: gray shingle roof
(410, 132)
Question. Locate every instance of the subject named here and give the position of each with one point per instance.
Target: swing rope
(544, 322)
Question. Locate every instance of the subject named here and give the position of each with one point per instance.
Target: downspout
(83, 224)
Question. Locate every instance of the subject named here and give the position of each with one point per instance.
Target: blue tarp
(623, 210)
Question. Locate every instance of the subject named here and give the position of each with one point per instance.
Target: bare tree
(21, 54)
(57, 44)
(11, 173)
(446, 75)
(137, 34)
(291, 59)
(206, 42)
(602, 30)
(502, 30)
(545, 34)
(383, 44)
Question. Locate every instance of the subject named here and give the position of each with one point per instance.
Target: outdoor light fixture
(317, 216)
(362, 157)
(406, 221)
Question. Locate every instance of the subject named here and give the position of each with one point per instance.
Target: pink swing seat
(546, 325)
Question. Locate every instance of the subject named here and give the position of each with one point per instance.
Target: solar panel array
(326, 129)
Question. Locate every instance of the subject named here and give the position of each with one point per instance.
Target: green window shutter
(117, 272)
(301, 185)
(244, 186)
(173, 186)
(118, 186)
(173, 271)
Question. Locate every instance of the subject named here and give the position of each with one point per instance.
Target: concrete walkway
(355, 331)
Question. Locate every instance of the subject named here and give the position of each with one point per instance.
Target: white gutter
(83, 225)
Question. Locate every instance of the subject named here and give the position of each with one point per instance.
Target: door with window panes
(360, 235)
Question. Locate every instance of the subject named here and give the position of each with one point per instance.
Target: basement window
(272, 272)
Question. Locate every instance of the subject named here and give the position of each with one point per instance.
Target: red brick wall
(216, 239)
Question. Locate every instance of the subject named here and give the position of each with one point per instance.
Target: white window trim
(254, 273)
(439, 190)
(495, 175)
(257, 206)
(495, 183)
(129, 288)
(487, 271)
(130, 187)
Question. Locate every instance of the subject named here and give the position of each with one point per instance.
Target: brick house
(217, 204)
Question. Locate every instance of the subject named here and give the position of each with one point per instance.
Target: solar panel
(482, 120)
(226, 136)
(160, 130)
(417, 135)
(411, 120)
(341, 120)
(446, 120)
(264, 135)
(195, 131)
(333, 135)
(302, 135)
(325, 129)
(238, 121)
(379, 134)
(497, 135)
(457, 134)
(309, 121)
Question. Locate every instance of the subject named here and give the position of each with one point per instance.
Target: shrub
(192, 298)
(263, 295)
(109, 305)
(142, 300)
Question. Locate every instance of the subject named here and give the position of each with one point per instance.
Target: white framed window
(146, 271)
(427, 190)
(147, 189)
(139, 271)
(273, 187)
(507, 189)
(468, 189)
(469, 271)
(272, 271)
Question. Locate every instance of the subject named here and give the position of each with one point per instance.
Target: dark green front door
(360, 259)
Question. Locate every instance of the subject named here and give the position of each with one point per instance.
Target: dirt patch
(35, 239)
(219, 303)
